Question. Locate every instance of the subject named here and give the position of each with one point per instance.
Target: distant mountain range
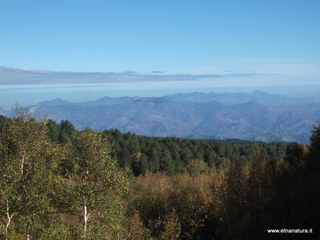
(255, 116)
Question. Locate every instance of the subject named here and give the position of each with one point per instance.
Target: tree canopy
(60, 183)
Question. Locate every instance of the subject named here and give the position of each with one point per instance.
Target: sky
(248, 43)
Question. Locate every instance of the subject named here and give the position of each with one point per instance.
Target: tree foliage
(42, 197)
(60, 183)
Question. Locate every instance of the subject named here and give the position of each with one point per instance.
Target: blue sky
(279, 40)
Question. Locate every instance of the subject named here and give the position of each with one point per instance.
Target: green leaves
(46, 184)
(25, 152)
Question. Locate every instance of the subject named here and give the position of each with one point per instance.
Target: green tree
(99, 187)
(197, 167)
(166, 161)
(66, 131)
(53, 130)
(26, 154)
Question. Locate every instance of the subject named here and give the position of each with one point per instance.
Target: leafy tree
(26, 155)
(197, 167)
(99, 186)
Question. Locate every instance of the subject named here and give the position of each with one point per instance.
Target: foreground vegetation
(59, 183)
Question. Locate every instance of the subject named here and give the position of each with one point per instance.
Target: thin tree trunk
(9, 217)
(22, 164)
(85, 217)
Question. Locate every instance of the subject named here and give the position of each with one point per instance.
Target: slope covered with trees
(60, 183)
(170, 155)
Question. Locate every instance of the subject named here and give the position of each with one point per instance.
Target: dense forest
(60, 183)
(169, 155)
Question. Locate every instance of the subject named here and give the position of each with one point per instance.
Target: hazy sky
(275, 38)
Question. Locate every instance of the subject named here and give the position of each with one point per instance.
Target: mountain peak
(55, 102)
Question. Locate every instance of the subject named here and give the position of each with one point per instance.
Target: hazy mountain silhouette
(254, 116)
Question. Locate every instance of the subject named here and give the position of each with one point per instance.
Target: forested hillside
(60, 183)
(170, 155)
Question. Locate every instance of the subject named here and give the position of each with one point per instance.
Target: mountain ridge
(192, 114)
